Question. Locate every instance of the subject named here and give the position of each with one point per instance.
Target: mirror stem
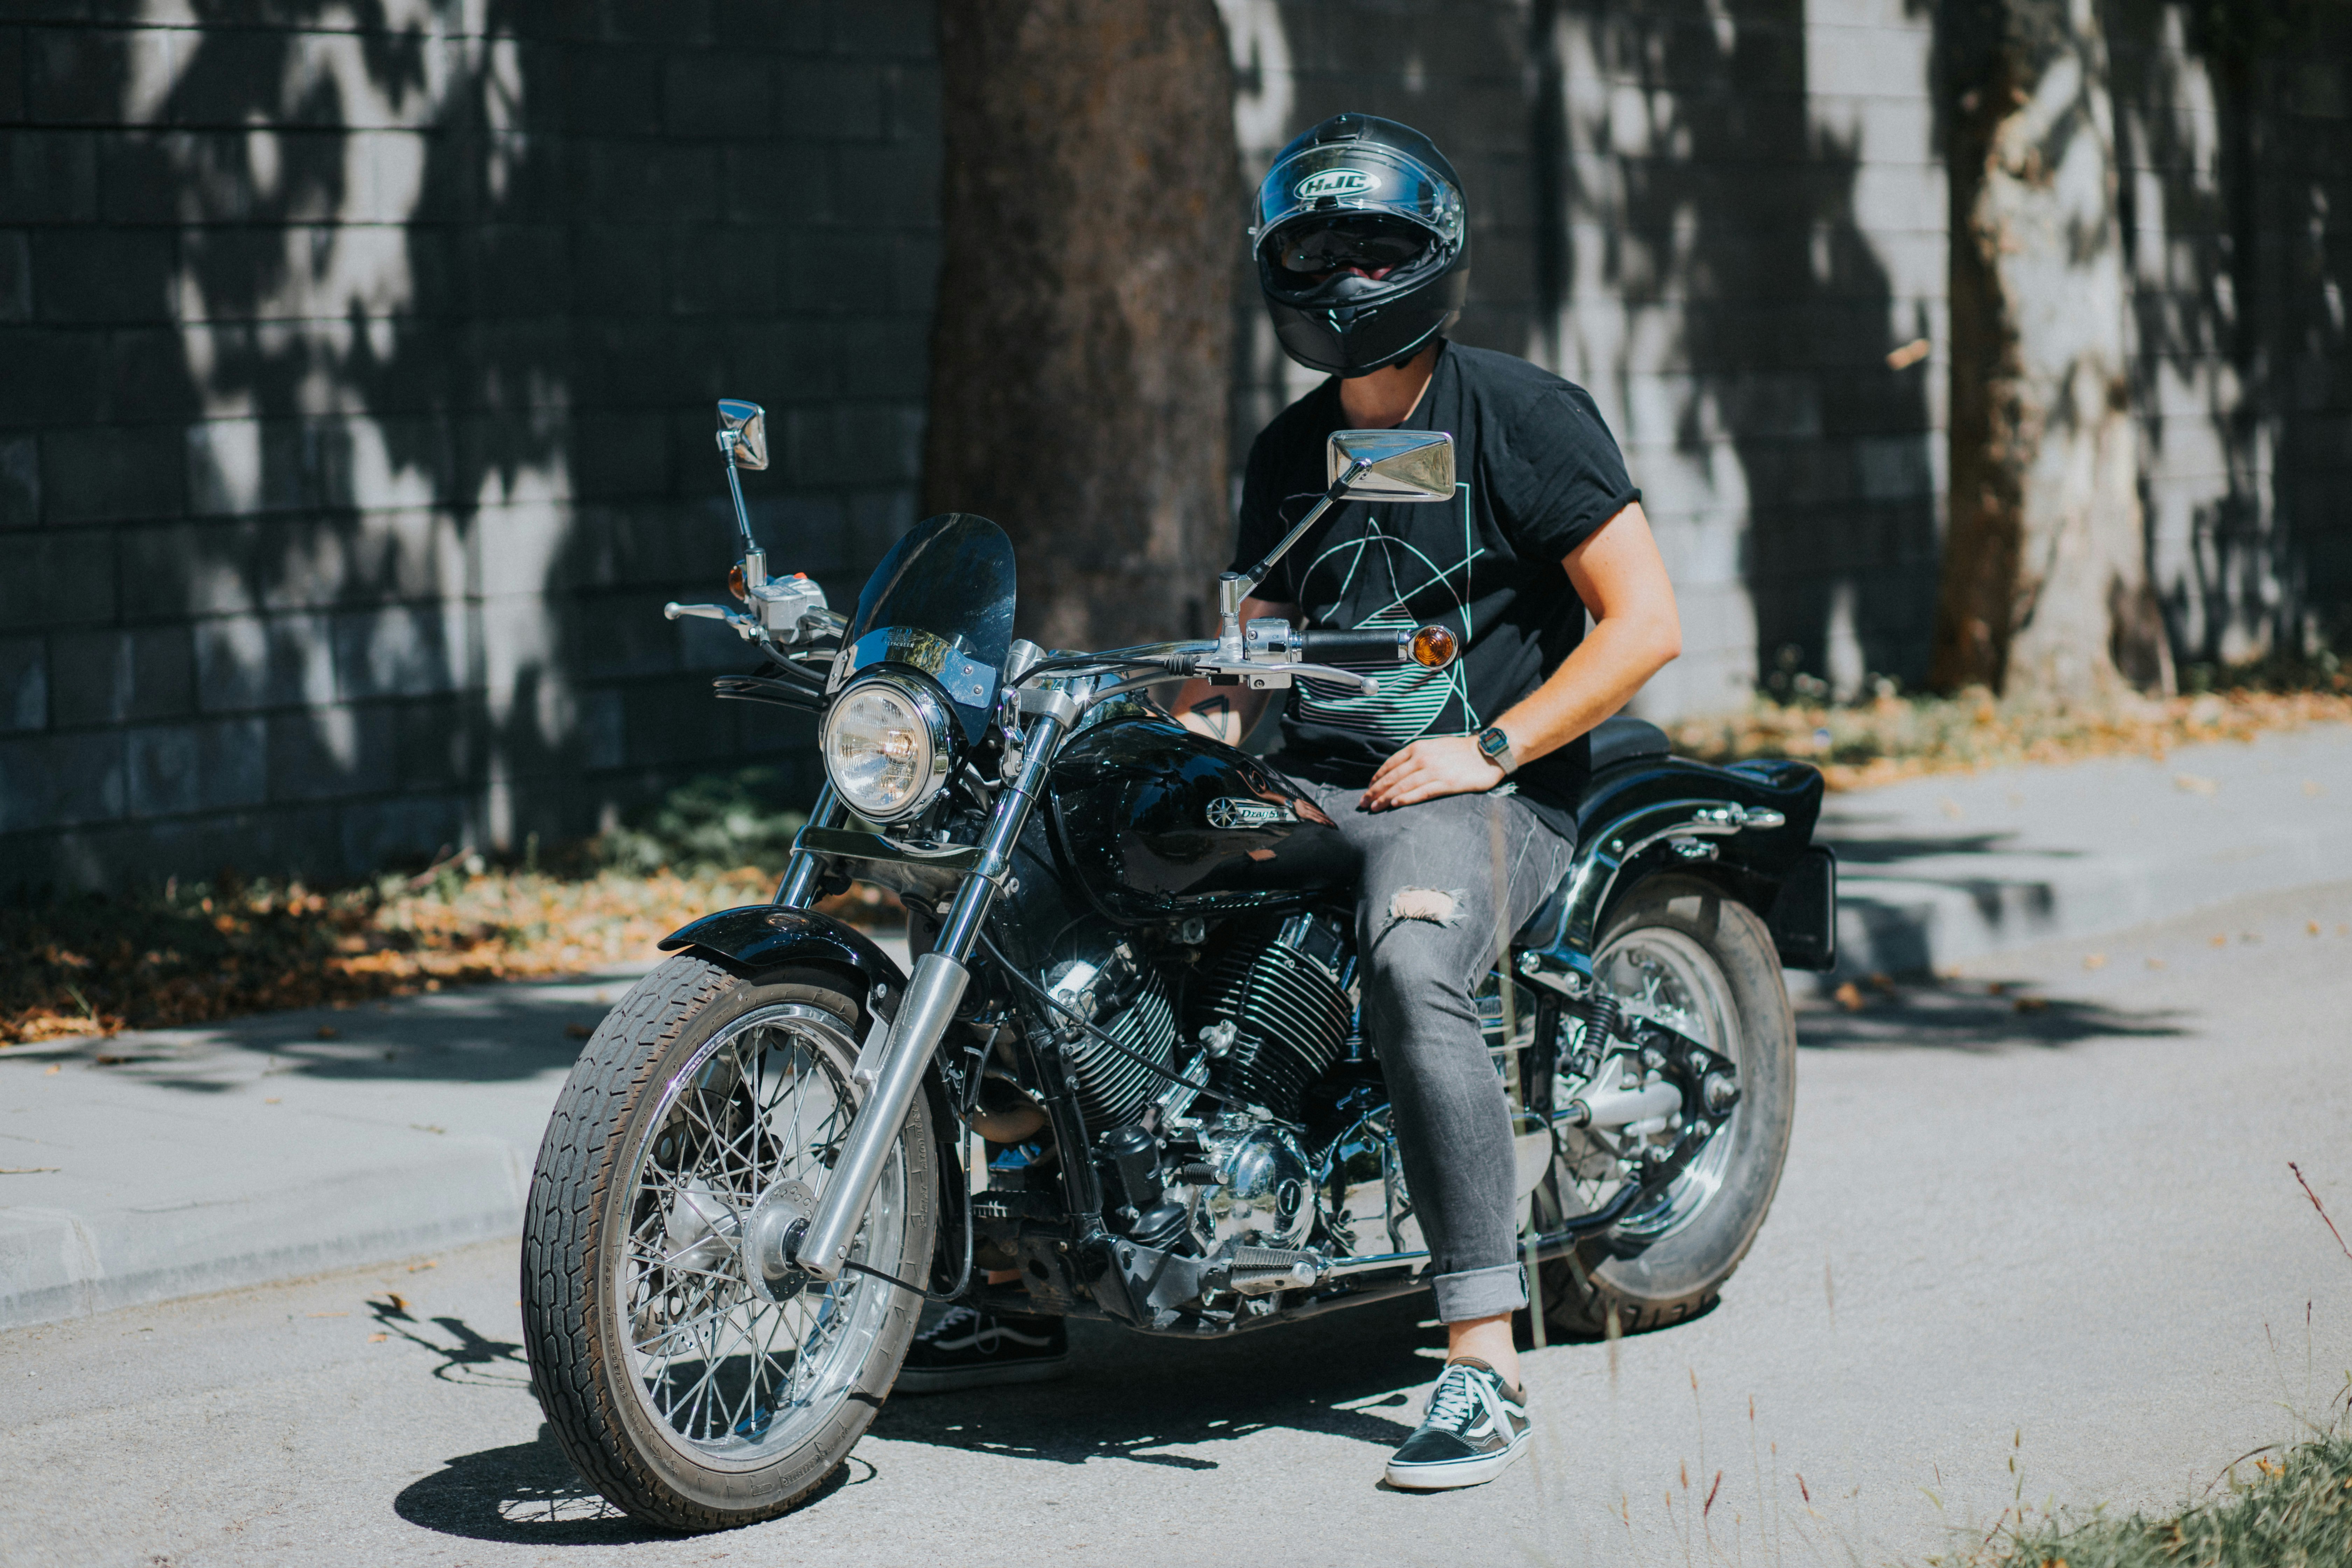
(727, 439)
(1232, 587)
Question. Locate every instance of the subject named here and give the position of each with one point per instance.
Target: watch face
(1494, 743)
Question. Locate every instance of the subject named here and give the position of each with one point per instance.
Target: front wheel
(687, 1398)
(1681, 952)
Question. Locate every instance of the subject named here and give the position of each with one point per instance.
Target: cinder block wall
(355, 405)
(2235, 142)
(355, 380)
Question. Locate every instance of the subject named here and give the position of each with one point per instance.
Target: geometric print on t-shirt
(1387, 584)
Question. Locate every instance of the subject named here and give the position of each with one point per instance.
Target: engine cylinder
(1126, 1001)
(1282, 986)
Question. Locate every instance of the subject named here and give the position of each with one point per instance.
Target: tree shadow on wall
(409, 327)
(1739, 208)
(2237, 154)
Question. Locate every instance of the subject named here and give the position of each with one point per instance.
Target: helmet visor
(1362, 178)
(1373, 245)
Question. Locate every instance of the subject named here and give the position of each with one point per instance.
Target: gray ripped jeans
(1446, 884)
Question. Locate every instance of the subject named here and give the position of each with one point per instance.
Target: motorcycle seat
(1624, 740)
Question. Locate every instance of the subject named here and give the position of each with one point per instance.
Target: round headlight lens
(883, 749)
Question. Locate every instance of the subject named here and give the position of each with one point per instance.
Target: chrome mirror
(1403, 465)
(743, 432)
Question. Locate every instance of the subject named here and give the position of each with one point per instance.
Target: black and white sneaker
(972, 1348)
(1475, 1427)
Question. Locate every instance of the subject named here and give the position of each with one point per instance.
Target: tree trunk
(1090, 212)
(2045, 591)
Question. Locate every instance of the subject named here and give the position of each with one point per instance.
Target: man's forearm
(1596, 681)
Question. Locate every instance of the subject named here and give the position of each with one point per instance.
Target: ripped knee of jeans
(1438, 906)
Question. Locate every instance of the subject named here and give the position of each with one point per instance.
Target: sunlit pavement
(2064, 1234)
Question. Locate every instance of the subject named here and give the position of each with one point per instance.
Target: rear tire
(1667, 1261)
(686, 1399)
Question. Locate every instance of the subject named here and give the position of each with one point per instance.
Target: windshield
(941, 600)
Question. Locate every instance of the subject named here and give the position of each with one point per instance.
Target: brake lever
(744, 625)
(1279, 676)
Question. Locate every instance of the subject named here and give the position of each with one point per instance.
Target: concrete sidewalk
(1935, 871)
(195, 1159)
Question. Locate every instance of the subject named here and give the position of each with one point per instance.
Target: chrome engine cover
(1263, 1192)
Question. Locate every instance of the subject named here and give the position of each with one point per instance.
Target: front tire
(685, 1398)
(1684, 951)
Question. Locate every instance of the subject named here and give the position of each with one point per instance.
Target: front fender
(758, 938)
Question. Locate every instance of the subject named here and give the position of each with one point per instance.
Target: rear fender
(1746, 828)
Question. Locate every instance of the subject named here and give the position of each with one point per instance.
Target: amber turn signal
(1433, 647)
(735, 584)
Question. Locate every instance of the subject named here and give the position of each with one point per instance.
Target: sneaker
(972, 1348)
(1475, 1427)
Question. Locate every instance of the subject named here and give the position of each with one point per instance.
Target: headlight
(888, 745)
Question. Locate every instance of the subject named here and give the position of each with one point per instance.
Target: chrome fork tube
(799, 886)
(923, 1017)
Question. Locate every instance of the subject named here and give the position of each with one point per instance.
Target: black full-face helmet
(1363, 248)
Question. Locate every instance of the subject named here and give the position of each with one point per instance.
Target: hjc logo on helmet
(1335, 183)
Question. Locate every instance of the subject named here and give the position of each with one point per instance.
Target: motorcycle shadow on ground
(1355, 1373)
(1127, 1398)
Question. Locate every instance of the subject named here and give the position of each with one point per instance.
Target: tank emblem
(1227, 812)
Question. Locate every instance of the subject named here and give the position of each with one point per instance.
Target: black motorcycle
(1128, 1062)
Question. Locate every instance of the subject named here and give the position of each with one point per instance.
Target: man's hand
(1442, 765)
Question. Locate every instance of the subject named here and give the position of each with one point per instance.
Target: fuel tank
(1156, 822)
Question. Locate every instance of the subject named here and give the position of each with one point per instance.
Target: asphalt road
(2062, 1236)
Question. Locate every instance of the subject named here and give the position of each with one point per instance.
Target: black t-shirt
(1537, 474)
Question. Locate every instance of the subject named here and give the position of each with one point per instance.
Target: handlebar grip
(1371, 644)
(1432, 646)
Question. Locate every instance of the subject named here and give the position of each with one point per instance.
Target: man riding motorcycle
(1457, 786)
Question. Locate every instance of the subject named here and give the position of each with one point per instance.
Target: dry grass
(1904, 737)
(87, 964)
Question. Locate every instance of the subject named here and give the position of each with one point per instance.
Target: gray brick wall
(355, 413)
(355, 381)
(2237, 193)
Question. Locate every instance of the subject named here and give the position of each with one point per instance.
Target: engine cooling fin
(1113, 1090)
(1280, 988)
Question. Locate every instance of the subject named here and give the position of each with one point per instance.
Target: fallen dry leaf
(2031, 1004)
(273, 1103)
(2195, 783)
(378, 1339)
(577, 1031)
(54, 1068)
(428, 1263)
(2311, 926)
(2094, 961)
(1909, 355)
(2222, 941)
(1849, 996)
(2156, 964)
(329, 1032)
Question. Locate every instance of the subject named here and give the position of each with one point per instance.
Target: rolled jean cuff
(1480, 1293)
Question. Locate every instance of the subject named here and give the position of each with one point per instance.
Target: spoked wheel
(1679, 951)
(686, 1395)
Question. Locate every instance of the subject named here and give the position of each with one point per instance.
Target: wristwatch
(1495, 747)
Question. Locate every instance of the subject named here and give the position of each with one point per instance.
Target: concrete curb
(58, 1263)
(1936, 872)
